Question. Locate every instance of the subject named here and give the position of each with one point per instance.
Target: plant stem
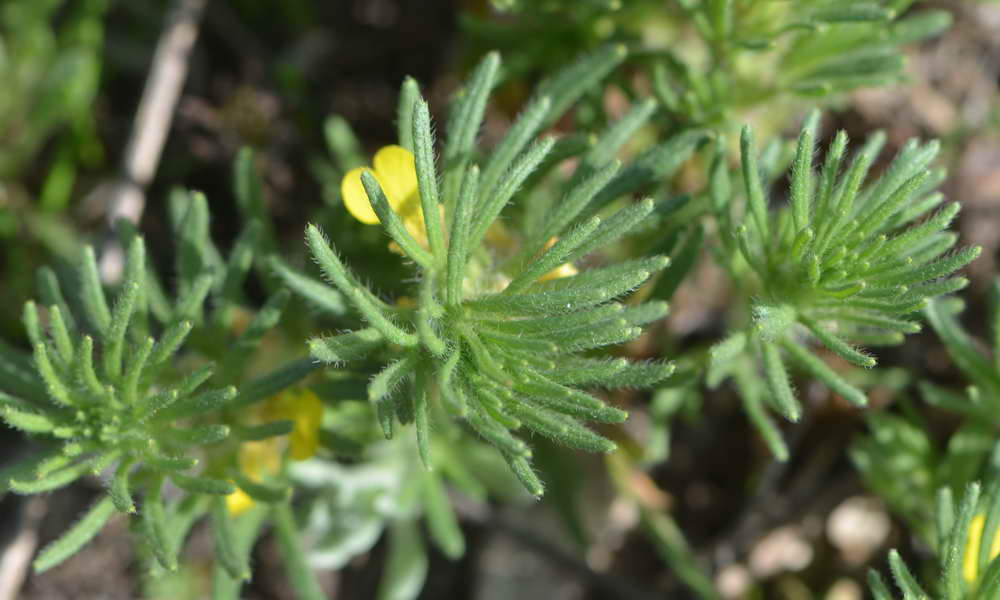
(299, 573)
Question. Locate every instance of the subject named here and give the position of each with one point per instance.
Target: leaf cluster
(771, 51)
(842, 263)
(495, 342)
(119, 389)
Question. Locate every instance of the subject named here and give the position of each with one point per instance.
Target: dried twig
(15, 557)
(152, 121)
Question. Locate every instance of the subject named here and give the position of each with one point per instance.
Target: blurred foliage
(51, 69)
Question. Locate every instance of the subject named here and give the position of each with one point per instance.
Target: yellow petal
(415, 225)
(563, 270)
(970, 564)
(308, 416)
(397, 173)
(238, 502)
(355, 198)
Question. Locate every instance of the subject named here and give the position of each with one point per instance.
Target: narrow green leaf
(227, 547)
(494, 201)
(751, 391)
(554, 256)
(525, 474)
(802, 172)
(95, 305)
(820, 370)
(199, 404)
(200, 435)
(837, 345)
(449, 385)
(904, 579)
(250, 198)
(203, 485)
(655, 165)
(155, 526)
(134, 370)
(680, 264)
(170, 342)
(615, 227)
(345, 347)
(558, 301)
(444, 529)
(50, 293)
(562, 429)
(408, 96)
(118, 490)
(342, 144)
(878, 587)
(362, 299)
(567, 85)
(423, 142)
(190, 303)
(70, 542)
(393, 224)
(752, 183)
(391, 377)
(429, 308)
(954, 551)
(513, 143)
(494, 433)
(240, 260)
(461, 230)
(463, 126)
(406, 565)
(273, 382)
(300, 575)
(260, 491)
(576, 200)
(254, 433)
(319, 294)
(239, 353)
(57, 389)
(778, 382)
(114, 340)
(421, 409)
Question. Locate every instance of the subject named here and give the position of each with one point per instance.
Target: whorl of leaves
(105, 395)
(494, 344)
(842, 264)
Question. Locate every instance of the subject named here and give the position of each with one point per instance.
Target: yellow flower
(263, 458)
(396, 172)
(970, 565)
(395, 169)
(239, 502)
(305, 410)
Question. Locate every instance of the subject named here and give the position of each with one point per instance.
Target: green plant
(843, 263)
(767, 52)
(103, 395)
(510, 307)
(491, 339)
(734, 56)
